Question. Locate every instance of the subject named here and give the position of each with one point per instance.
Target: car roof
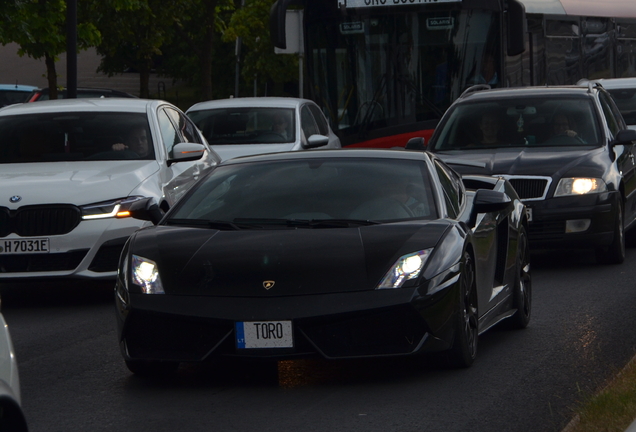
(482, 94)
(344, 153)
(85, 89)
(82, 104)
(17, 87)
(613, 83)
(250, 102)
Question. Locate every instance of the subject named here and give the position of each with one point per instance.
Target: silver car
(71, 169)
(247, 126)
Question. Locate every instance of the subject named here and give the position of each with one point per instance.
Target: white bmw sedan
(69, 171)
(248, 126)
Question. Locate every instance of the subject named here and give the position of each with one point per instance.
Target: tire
(615, 253)
(151, 368)
(522, 295)
(464, 350)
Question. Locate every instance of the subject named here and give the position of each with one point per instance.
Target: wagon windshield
(519, 122)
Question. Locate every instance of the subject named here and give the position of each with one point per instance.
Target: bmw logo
(15, 198)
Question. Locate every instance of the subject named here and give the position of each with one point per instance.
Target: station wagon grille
(530, 188)
(32, 221)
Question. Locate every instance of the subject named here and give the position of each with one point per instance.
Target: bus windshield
(372, 70)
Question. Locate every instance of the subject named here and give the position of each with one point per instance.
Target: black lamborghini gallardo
(330, 253)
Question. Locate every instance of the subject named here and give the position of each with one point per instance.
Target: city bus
(385, 71)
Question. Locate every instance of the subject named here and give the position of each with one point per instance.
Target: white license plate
(264, 334)
(24, 246)
(529, 214)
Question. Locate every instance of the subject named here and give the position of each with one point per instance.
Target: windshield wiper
(330, 223)
(214, 224)
(303, 223)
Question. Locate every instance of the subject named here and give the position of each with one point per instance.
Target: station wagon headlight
(407, 267)
(145, 273)
(579, 186)
(117, 208)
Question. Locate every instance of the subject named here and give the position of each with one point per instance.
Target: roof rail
(591, 85)
(474, 88)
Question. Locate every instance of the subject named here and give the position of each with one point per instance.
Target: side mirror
(626, 136)
(277, 17)
(517, 28)
(316, 141)
(417, 143)
(186, 152)
(487, 200)
(146, 209)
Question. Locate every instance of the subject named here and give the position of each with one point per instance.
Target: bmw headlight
(116, 208)
(145, 273)
(406, 268)
(579, 186)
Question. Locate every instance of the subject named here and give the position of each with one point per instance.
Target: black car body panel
(324, 280)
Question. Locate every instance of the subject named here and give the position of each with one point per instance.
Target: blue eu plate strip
(240, 335)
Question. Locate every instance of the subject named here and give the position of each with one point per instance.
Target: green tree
(198, 29)
(133, 32)
(251, 23)
(39, 28)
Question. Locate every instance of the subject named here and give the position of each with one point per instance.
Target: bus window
(385, 70)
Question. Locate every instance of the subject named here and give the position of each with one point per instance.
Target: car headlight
(406, 268)
(116, 208)
(579, 186)
(145, 273)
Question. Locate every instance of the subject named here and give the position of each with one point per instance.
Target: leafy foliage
(251, 24)
(39, 28)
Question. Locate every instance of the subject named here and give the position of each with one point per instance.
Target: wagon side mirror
(625, 136)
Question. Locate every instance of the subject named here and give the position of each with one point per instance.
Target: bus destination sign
(373, 3)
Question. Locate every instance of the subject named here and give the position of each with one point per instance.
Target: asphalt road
(581, 334)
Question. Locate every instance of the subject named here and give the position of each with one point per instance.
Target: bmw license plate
(24, 246)
(264, 334)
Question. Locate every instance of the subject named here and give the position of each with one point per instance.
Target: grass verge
(612, 409)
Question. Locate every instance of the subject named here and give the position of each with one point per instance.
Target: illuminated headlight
(406, 268)
(117, 208)
(146, 274)
(579, 186)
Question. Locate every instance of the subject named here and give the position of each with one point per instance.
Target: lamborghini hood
(280, 262)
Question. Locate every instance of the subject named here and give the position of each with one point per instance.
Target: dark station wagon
(566, 150)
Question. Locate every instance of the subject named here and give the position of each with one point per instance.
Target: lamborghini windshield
(312, 193)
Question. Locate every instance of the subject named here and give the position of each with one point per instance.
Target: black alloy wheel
(615, 253)
(464, 350)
